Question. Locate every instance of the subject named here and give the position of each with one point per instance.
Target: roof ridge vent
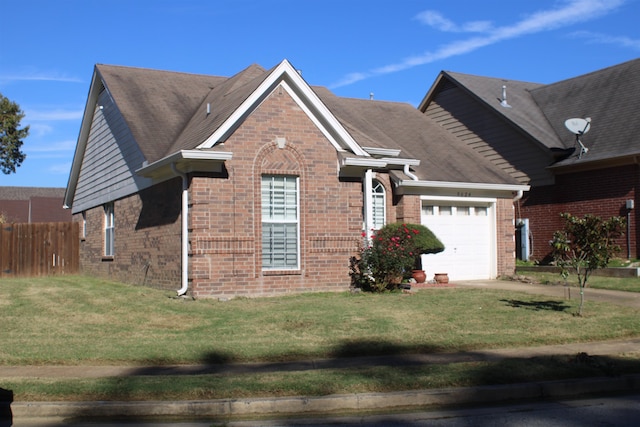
(503, 101)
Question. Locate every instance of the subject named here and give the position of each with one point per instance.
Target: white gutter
(185, 229)
(518, 195)
(462, 185)
(181, 155)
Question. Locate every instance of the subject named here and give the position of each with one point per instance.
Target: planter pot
(441, 278)
(419, 275)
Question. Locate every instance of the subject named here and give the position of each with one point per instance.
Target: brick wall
(505, 237)
(599, 192)
(225, 216)
(146, 242)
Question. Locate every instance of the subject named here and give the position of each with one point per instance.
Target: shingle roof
(167, 112)
(523, 111)
(397, 125)
(223, 100)
(157, 105)
(610, 97)
(25, 193)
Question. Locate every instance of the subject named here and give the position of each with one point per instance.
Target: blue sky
(393, 49)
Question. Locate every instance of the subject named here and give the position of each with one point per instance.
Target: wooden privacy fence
(39, 249)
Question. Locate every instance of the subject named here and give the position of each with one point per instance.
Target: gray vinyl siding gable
(490, 136)
(110, 159)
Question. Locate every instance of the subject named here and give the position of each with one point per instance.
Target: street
(602, 411)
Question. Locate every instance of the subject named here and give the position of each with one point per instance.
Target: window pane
(279, 222)
(481, 210)
(445, 210)
(462, 210)
(279, 245)
(378, 205)
(427, 210)
(109, 229)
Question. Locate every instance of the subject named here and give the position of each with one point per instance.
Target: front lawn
(77, 320)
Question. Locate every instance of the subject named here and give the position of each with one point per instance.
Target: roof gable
(607, 96)
(510, 99)
(285, 76)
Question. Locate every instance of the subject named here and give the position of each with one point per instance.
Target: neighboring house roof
(179, 117)
(33, 204)
(609, 97)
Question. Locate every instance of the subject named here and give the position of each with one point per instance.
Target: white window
(378, 202)
(280, 222)
(83, 225)
(109, 229)
(445, 210)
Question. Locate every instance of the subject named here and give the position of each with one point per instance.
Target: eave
(186, 161)
(457, 189)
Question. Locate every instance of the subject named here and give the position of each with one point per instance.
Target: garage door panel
(466, 232)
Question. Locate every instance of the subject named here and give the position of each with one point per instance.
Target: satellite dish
(578, 126)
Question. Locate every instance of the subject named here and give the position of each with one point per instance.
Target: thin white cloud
(67, 145)
(625, 42)
(60, 168)
(571, 12)
(38, 77)
(53, 115)
(435, 19)
(40, 129)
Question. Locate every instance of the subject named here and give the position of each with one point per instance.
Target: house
(522, 128)
(33, 204)
(260, 184)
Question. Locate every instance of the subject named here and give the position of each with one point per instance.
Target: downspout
(409, 174)
(185, 229)
(518, 195)
(368, 202)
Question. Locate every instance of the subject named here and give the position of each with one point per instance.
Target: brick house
(33, 204)
(260, 184)
(520, 128)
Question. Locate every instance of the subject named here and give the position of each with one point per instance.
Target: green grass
(627, 284)
(320, 382)
(76, 320)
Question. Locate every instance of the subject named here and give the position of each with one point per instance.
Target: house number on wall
(464, 194)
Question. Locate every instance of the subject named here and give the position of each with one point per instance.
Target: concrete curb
(329, 404)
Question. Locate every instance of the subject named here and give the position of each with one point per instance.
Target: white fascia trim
(401, 162)
(369, 163)
(463, 185)
(185, 155)
(384, 152)
(459, 199)
(285, 72)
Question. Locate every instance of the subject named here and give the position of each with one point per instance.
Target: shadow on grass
(378, 364)
(537, 305)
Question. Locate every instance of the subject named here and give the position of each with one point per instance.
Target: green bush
(390, 256)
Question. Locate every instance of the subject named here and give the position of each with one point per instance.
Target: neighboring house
(520, 127)
(33, 204)
(259, 184)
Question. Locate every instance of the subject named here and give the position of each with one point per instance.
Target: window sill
(107, 258)
(281, 272)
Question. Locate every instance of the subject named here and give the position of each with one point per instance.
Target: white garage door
(467, 229)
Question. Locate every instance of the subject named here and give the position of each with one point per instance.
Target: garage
(467, 229)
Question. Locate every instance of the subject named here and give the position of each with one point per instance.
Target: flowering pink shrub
(391, 254)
